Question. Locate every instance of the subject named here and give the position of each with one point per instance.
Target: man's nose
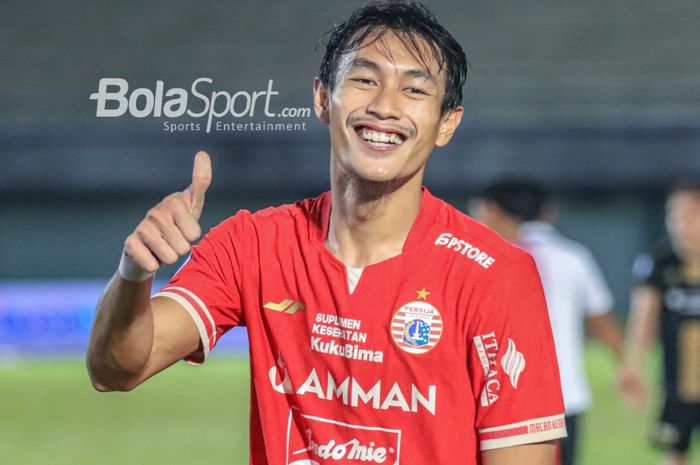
(385, 104)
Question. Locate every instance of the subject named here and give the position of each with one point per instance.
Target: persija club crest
(416, 327)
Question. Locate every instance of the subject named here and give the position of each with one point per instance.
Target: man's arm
(604, 327)
(642, 326)
(542, 453)
(133, 336)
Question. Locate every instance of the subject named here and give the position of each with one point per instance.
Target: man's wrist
(131, 271)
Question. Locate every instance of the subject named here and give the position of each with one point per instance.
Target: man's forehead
(683, 201)
(399, 49)
(683, 195)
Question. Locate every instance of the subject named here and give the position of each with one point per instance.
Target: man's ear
(321, 99)
(448, 126)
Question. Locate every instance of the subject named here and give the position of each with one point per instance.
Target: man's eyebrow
(418, 73)
(364, 63)
(421, 74)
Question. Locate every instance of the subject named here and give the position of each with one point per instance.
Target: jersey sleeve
(209, 284)
(513, 364)
(597, 297)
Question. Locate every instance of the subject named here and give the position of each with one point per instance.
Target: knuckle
(155, 215)
(143, 259)
(176, 203)
(171, 201)
(130, 243)
(144, 232)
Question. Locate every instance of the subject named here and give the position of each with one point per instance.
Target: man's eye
(417, 91)
(363, 81)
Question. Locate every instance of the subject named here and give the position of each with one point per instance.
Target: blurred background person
(576, 292)
(665, 303)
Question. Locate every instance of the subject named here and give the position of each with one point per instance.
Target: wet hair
(522, 199)
(411, 21)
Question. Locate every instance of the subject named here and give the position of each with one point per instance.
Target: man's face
(683, 222)
(384, 112)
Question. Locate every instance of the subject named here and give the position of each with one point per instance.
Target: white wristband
(132, 271)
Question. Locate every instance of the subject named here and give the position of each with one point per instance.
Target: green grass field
(49, 414)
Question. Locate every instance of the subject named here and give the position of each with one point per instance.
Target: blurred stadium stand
(599, 100)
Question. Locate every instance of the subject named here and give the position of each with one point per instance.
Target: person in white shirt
(575, 289)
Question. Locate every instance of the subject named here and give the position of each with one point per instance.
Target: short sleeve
(208, 285)
(597, 296)
(512, 363)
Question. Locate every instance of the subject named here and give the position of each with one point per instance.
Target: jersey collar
(425, 220)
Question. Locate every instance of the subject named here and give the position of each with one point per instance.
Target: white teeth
(380, 137)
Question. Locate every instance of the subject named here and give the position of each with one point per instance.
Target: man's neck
(369, 227)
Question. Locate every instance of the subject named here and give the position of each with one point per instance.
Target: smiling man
(384, 325)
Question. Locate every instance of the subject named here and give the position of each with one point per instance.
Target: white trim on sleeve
(201, 305)
(193, 314)
(524, 432)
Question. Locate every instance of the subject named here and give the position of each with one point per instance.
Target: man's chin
(374, 176)
(372, 186)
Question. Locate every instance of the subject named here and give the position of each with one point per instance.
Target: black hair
(522, 199)
(684, 185)
(411, 21)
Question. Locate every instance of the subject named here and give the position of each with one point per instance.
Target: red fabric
(396, 371)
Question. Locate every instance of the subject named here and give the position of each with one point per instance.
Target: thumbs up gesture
(168, 229)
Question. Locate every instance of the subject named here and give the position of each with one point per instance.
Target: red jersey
(438, 353)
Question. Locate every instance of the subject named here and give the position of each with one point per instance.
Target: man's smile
(380, 137)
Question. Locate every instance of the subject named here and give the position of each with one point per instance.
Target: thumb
(201, 179)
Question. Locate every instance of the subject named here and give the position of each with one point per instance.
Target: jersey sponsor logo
(348, 329)
(285, 384)
(513, 363)
(352, 351)
(286, 306)
(466, 249)
(547, 424)
(380, 396)
(313, 440)
(416, 327)
(350, 343)
(487, 349)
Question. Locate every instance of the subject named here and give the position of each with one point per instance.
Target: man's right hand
(169, 228)
(135, 336)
